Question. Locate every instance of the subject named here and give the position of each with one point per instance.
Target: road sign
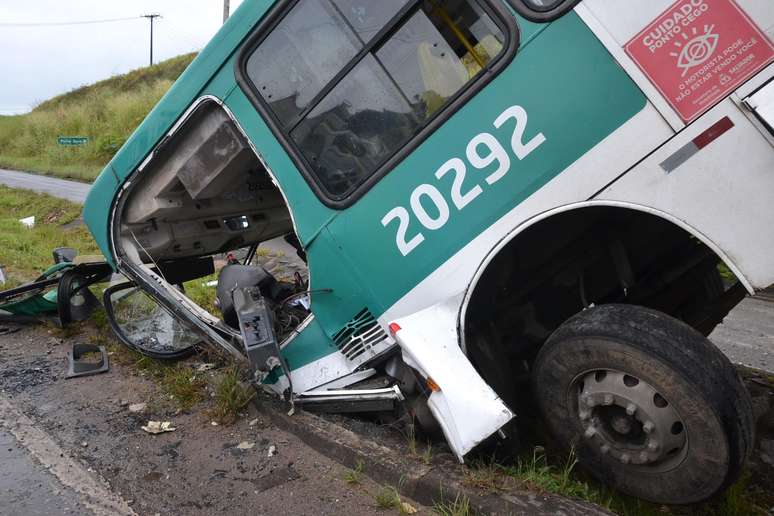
(73, 140)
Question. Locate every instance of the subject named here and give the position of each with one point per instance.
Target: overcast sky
(37, 63)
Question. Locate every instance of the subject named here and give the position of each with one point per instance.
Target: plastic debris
(201, 368)
(157, 427)
(137, 407)
(407, 508)
(214, 423)
(28, 222)
(244, 445)
(272, 451)
(254, 422)
(77, 366)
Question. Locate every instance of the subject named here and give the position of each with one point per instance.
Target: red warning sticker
(698, 51)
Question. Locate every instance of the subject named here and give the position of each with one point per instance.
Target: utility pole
(226, 10)
(151, 17)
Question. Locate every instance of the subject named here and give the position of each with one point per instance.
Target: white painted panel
(725, 191)
(761, 12)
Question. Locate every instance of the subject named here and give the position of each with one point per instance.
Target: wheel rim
(626, 418)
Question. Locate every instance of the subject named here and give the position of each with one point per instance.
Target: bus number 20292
(482, 152)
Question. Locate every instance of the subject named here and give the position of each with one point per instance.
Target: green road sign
(73, 140)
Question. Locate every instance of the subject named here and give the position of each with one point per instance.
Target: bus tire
(650, 406)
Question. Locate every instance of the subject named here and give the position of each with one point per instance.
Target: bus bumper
(466, 408)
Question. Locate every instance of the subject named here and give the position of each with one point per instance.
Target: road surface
(70, 190)
(27, 488)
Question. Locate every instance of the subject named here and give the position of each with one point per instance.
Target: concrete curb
(427, 484)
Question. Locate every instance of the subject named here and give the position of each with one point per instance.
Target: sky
(39, 62)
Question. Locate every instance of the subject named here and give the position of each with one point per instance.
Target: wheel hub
(628, 419)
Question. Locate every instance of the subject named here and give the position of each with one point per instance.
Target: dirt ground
(201, 469)
(197, 469)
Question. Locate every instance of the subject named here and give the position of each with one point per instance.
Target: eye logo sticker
(698, 51)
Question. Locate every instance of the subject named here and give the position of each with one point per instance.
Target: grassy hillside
(107, 112)
(25, 253)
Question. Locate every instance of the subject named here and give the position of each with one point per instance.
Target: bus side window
(352, 92)
(542, 10)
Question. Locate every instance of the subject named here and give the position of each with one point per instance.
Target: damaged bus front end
(423, 206)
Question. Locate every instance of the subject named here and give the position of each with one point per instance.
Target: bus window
(300, 56)
(427, 53)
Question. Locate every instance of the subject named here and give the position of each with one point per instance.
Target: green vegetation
(25, 253)
(355, 476)
(231, 396)
(106, 112)
(204, 296)
(179, 384)
(538, 473)
(388, 498)
(459, 507)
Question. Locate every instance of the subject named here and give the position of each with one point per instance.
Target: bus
(485, 207)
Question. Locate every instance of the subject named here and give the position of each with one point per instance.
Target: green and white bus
(495, 204)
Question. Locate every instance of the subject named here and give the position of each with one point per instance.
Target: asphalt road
(746, 336)
(70, 190)
(27, 488)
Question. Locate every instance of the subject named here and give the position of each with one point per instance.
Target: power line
(62, 24)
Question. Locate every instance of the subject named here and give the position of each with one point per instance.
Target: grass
(355, 476)
(179, 384)
(231, 396)
(25, 253)
(459, 507)
(388, 498)
(537, 473)
(204, 296)
(426, 455)
(106, 112)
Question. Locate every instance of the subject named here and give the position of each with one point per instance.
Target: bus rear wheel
(649, 405)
